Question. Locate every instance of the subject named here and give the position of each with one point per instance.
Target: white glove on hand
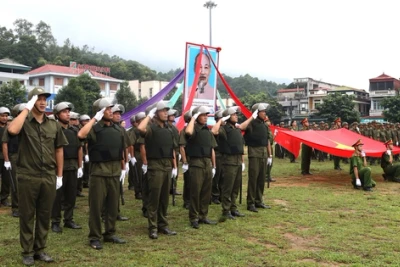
(86, 158)
(133, 161)
(226, 118)
(99, 115)
(179, 157)
(362, 154)
(213, 172)
(269, 161)
(82, 164)
(122, 177)
(397, 143)
(152, 113)
(59, 182)
(174, 173)
(127, 167)
(185, 167)
(389, 152)
(195, 116)
(31, 102)
(255, 114)
(358, 182)
(144, 168)
(7, 165)
(243, 166)
(80, 173)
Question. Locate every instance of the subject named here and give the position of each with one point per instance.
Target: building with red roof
(379, 88)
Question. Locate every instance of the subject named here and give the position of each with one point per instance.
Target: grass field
(317, 220)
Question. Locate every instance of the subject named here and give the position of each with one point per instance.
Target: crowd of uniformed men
(47, 160)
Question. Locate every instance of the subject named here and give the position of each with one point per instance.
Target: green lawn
(317, 220)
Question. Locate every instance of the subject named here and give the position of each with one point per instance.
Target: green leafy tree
(74, 94)
(23, 27)
(274, 111)
(12, 94)
(44, 35)
(125, 96)
(338, 105)
(392, 108)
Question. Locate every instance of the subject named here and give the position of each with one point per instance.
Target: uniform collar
(31, 117)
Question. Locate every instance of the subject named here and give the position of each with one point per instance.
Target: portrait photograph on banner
(206, 87)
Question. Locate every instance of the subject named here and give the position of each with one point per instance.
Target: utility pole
(209, 5)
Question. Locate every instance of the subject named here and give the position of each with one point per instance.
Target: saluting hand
(31, 102)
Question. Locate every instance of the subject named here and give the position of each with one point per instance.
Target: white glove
(362, 154)
(174, 173)
(129, 157)
(213, 172)
(389, 152)
(144, 168)
(195, 116)
(255, 114)
(152, 113)
(31, 102)
(269, 161)
(358, 182)
(358, 129)
(127, 166)
(122, 177)
(99, 115)
(133, 161)
(86, 158)
(59, 182)
(80, 173)
(185, 167)
(179, 157)
(397, 143)
(226, 118)
(83, 164)
(7, 165)
(243, 166)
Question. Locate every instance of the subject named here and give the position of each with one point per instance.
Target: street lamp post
(209, 5)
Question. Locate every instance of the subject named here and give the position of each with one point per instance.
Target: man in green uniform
(202, 167)
(391, 171)
(39, 173)
(172, 114)
(259, 154)
(185, 159)
(84, 182)
(232, 150)
(160, 154)
(5, 166)
(268, 167)
(293, 127)
(10, 153)
(217, 180)
(72, 171)
(106, 145)
(360, 173)
(306, 151)
(336, 160)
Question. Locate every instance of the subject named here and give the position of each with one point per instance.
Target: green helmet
(101, 103)
(259, 107)
(17, 109)
(140, 116)
(173, 112)
(37, 91)
(118, 108)
(230, 111)
(201, 109)
(84, 117)
(4, 110)
(218, 114)
(187, 116)
(61, 106)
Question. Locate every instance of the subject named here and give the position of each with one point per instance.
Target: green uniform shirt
(72, 164)
(201, 162)
(385, 160)
(1, 148)
(109, 168)
(356, 161)
(37, 145)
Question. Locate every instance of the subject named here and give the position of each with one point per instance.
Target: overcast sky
(342, 42)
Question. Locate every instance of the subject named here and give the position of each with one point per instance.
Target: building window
(31, 82)
(41, 82)
(58, 81)
(376, 105)
(140, 93)
(151, 92)
(113, 86)
(102, 85)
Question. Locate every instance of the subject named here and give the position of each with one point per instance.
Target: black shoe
(226, 216)
(293, 161)
(166, 231)
(262, 206)
(5, 203)
(195, 224)
(207, 221)
(176, 193)
(139, 196)
(96, 244)
(15, 213)
(369, 189)
(306, 173)
(153, 235)
(72, 225)
(79, 194)
(145, 213)
(236, 213)
(43, 257)
(271, 180)
(252, 208)
(55, 227)
(131, 188)
(28, 260)
(122, 218)
(114, 239)
(216, 201)
(338, 168)
(384, 176)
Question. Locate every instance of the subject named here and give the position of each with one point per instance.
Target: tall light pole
(210, 5)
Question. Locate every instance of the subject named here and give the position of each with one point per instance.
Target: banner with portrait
(206, 87)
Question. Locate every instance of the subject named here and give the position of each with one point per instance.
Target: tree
(23, 27)
(12, 94)
(274, 111)
(125, 96)
(338, 105)
(74, 94)
(392, 108)
(44, 35)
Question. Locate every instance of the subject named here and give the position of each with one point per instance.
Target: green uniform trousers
(103, 195)
(136, 176)
(306, 152)
(68, 192)
(36, 197)
(336, 162)
(232, 177)
(256, 182)
(393, 172)
(217, 180)
(269, 167)
(14, 193)
(200, 191)
(5, 182)
(159, 183)
(174, 182)
(365, 177)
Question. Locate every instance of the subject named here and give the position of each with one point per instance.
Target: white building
(11, 70)
(146, 89)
